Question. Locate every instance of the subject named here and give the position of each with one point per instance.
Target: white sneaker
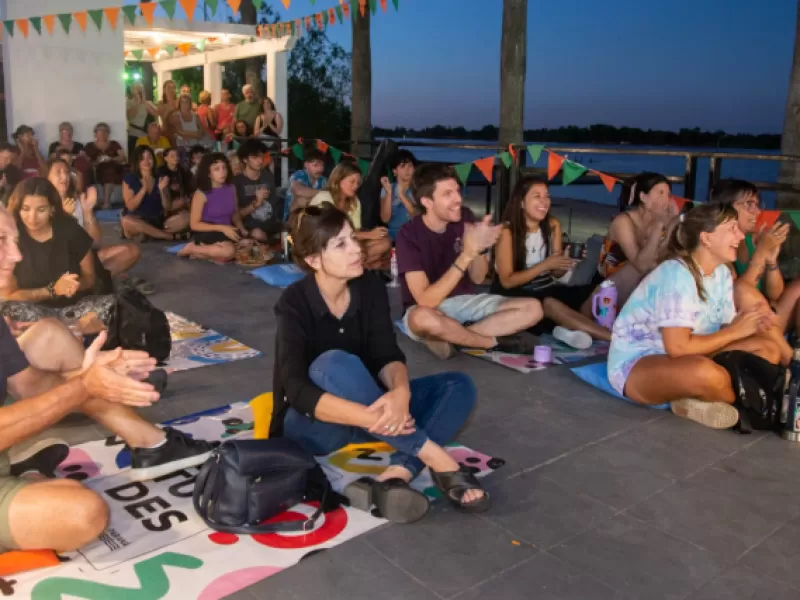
(576, 339)
(717, 415)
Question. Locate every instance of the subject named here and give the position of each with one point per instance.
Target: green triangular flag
(212, 4)
(463, 171)
(252, 39)
(137, 54)
(313, 2)
(505, 158)
(97, 18)
(364, 166)
(9, 25)
(396, 4)
(297, 150)
(201, 45)
(339, 13)
(243, 42)
(336, 154)
(535, 150)
(570, 171)
(169, 7)
(355, 11)
(325, 18)
(257, 4)
(66, 21)
(373, 6)
(37, 24)
(291, 27)
(794, 215)
(170, 50)
(129, 10)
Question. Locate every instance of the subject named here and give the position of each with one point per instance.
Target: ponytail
(679, 249)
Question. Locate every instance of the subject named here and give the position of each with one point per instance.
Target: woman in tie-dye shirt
(681, 315)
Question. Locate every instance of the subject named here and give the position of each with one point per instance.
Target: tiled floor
(598, 499)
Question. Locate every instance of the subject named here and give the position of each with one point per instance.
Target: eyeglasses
(750, 205)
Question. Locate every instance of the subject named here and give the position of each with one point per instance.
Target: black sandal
(395, 500)
(455, 484)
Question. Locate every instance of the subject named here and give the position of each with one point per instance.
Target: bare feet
(187, 250)
(395, 472)
(435, 457)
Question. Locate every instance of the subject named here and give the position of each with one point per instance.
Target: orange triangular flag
(49, 22)
(554, 162)
(318, 19)
(148, 8)
(308, 23)
(185, 48)
(607, 180)
(188, 7)
(322, 146)
(22, 24)
(767, 218)
(267, 159)
(286, 4)
(679, 202)
(331, 16)
(153, 51)
(212, 40)
(512, 152)
(485, 166)
(346, 10)
(362, 7)
(112, 15)
(234, 4)
(383, 5)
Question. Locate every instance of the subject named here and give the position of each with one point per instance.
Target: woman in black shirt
(340, 377)
(58, 269)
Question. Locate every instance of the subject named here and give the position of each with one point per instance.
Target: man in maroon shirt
(441, 255)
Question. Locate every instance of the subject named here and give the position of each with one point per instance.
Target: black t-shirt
(44, 262)
(246, 189)
(12, 360)
(179, 181)
(76, 147)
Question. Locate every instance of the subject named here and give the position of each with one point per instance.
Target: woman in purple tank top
(215, 221)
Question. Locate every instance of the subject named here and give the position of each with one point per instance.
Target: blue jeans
(439, 404)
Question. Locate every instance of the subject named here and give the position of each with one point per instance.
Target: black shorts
(157, 222)
(206, 238)
(271, 227)
(572, 295)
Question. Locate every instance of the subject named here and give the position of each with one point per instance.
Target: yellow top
(354, 214)
(161, 144)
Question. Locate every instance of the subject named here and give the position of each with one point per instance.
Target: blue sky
(714, 64)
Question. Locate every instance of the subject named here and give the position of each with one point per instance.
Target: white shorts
(467, 308)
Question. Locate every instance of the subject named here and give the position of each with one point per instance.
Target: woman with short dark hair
(108, 158)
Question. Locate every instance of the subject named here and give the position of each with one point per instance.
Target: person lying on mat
(530, 260)
(116, 259)
(757, 259)
(636, 236)
(340, 377)
(215, 220)
(147, 202)
(341, 191)
(669, 335)
(441, 255)
(53, 378)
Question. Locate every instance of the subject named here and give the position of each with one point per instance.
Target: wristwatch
(51, 289)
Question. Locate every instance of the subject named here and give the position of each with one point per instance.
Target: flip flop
(394, 499)
(455, 484)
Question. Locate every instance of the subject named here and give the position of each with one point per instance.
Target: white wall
(75, 77)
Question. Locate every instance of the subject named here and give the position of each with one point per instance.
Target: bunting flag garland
(346, 10)
(340, 14)
(462, 172)
(49, 23)
(257, 4)
(485, 166)
(767, 219)
(153, 52)
(362, 7)
(286, 4)
(189, 6)
(794, 215)
(607, 180)
(9, 25)
(571, 171)
(336, 154)
(37, 24)
(66, 22)
(138, 54)
(396, 4)
(554, 162)
(81, 17)
(212, 4)
(169, 7)
(364, 166)
(535, 150)
(318, 18)
(679, 202)
(512, 152)
(297, 150)
(383, 5)
(129, 10)
(505, 158)
(170, 50)
(185, 48)
(22, 25)
(234, 4)
(112, 16)
(332, 15)
(97, 18)
(148, 11)
(322, 146)
(201, 45)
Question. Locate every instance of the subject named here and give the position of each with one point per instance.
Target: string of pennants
(336, 154)
(111, 16)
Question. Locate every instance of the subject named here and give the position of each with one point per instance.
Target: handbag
(245, 482)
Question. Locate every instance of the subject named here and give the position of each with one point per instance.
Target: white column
(212, 80)
(278, 90)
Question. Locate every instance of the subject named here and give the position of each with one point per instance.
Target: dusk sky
(714, 64)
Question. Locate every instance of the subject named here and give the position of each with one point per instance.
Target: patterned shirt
(301, 177)
(667, 297)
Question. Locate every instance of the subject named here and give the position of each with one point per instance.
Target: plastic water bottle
(791, 401)
(393, 270)
(604, 304)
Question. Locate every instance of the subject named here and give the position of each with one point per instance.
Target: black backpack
(135, 324)
(758, 386)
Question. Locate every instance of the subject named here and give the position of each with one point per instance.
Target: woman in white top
(530, 259)
(139, 110)
(341, 191)
(186, 124)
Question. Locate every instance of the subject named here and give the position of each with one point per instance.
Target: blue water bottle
(791, 401)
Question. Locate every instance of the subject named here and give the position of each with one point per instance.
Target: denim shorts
(467, 308)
